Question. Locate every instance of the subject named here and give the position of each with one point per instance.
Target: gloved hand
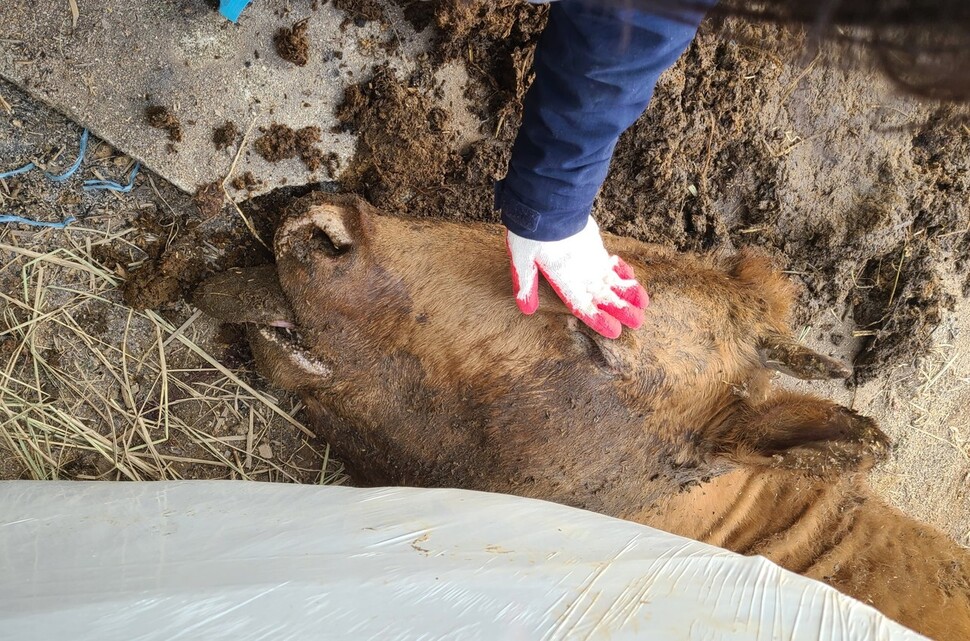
(599, 289)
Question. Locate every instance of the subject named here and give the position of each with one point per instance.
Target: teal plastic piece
(231, 9)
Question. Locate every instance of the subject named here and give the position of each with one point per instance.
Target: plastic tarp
(245, 561)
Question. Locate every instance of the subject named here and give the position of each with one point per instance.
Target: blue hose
(10, 218)
(77, 162)
(58, 178)
(110, 185)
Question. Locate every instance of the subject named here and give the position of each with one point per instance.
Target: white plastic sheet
(245, 561)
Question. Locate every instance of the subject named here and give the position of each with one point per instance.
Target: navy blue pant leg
(596, 65)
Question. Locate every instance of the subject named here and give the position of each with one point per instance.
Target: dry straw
(92, 389)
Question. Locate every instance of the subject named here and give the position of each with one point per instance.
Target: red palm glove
(599, 289)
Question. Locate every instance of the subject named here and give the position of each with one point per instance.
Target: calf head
(404, 341)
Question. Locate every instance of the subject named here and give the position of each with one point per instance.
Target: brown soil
(361, 11)
(225, 136)
(208, 246)
(402, 158)
(496, 41)
(161, 117)
(246, 181)
(279, 142)
(209, 199)
(292, 43)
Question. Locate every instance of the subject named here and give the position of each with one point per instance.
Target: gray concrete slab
(122, 55)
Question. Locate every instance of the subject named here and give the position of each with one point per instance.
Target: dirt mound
(225, 136)
(292, 43)
(404, 142)
(494, 39)
(209, 199)
(246, 182)
(279, 142)
(161, 117)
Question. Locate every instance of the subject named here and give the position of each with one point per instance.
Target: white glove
(599, 289)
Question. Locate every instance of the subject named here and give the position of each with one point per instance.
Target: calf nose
(315, 228)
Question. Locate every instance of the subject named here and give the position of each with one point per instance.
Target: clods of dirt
(292, 44)
(246, 181)
(209, 199)
(279, 142)
(496, 39)
(161, 117)
(209, 246)
(900, 303)
(225, 136)
(404, 142)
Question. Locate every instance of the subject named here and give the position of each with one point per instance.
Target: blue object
(58, 178)
(231, 9)
(110, 185)
(77, 161)
(596, 65)
(18, 170)
(10, 218)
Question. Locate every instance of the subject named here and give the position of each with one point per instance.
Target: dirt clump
(207, 246)
(209, 199)
(292, 44)
(196, 254)
(404, 143)
(331, 163)
(225, 136)
(496, 39)
(407, 158)
(484, 27)
(246, 181)
(900, 302)
(306, 145)
(279, 142)
(161, 117)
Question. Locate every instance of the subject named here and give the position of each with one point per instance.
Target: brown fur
(416, 366)
(836, 531)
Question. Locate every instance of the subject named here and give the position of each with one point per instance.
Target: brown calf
(402, 338)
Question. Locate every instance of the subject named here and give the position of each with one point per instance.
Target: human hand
(598, 288)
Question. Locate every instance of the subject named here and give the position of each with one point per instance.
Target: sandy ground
(925, 408)
(860, 194)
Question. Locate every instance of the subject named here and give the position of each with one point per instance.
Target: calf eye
(601, 353)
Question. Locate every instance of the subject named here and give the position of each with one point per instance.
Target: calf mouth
(289, 345)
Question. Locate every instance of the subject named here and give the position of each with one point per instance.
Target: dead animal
(403, 341)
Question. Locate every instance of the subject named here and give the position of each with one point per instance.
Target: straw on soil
(141, 400)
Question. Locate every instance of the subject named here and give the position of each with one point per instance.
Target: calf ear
(797, 431)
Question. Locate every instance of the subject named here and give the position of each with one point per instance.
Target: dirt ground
(755, 138)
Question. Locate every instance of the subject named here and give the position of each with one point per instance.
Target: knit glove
(599, 289)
